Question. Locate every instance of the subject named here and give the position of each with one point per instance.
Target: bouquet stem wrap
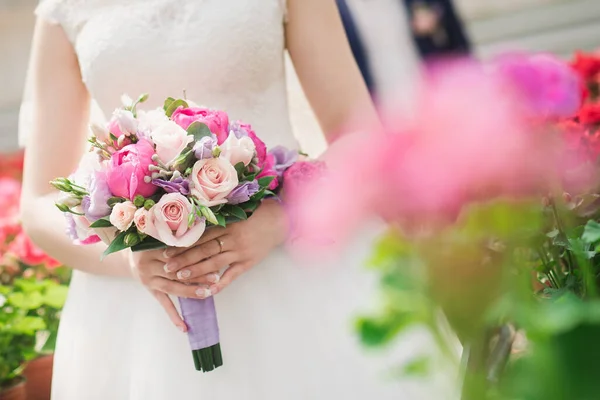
(203, 332)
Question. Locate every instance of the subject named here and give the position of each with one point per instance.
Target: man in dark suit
(356, 43)
(436, 28)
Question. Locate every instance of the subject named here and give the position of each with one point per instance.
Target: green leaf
(29, 325)
(149, 243)
(251, 205)
(174, 105)
(116, 245)
(591, 233)
(56, 296)
(31, 301)
(265, 181)
(237, 212)
(221, 220)
(240, 168)
(198, 130)
(209, 215)
(258, 195)
(167, 103)
(418, 367)
(102, 223)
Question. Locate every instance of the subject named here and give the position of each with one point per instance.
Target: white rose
(212, 181)
(238, 150)
(150, 120)
(170, 140)
(122, 215)
(123, 123)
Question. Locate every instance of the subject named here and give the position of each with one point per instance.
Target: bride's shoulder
(68, 13)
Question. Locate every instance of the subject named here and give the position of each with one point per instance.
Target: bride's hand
(238, 247)
(148, 268)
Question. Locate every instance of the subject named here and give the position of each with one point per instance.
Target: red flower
(589, 114)
(27, 252)
(587, 65)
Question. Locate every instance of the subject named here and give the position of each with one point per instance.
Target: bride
(286, 332)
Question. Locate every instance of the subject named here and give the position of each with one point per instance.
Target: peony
(216, 121)
(268, 169)
(167, 221)
(170, 140)
(122, 215)
(127, 169)
(122, 123)
(238, 150)
(212, 181)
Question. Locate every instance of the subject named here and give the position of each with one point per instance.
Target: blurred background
(436, 28)
(558, 26)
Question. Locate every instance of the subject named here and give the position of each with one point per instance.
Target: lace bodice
(226, 54)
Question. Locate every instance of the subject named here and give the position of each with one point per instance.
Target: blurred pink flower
(28, 253)
(469, 140)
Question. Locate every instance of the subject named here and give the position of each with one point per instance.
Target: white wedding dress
(286, 331)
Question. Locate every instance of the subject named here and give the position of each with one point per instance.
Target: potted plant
(17, 343)
(38, 289)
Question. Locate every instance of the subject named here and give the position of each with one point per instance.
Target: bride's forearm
(46, 226)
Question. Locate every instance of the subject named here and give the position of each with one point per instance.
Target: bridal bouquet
(161, 178)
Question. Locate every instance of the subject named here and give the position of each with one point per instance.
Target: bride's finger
(166, 302)
(204, 271)
(210, 235)
(195, 255)
(179, 289)
(234, 271)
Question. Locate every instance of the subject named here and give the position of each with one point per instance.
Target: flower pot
(39, 378)
(16, 392)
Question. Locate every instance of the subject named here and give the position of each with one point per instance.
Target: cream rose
(236, 150)
(122, 215)
(170, 140)
(212, 181)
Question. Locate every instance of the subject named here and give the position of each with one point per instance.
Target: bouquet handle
(203, 332)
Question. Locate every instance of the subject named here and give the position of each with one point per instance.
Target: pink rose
(170, 140)
(212, 180)
(238, 150)
(139, 219)
(167, 221)
(268, 169)
(217, 121)
(127, 169)
(122, 215)
(122, 123)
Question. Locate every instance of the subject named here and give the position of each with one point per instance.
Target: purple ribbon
(201, 318)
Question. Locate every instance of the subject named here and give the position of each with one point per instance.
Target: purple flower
(548, 85)
(243, 192)
(284, 159)
(71, 227)
(95, 206)
(177, 185)
(238, 130)
(203, 148)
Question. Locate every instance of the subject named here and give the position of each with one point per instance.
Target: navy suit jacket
(457, 42)
(356, 44)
